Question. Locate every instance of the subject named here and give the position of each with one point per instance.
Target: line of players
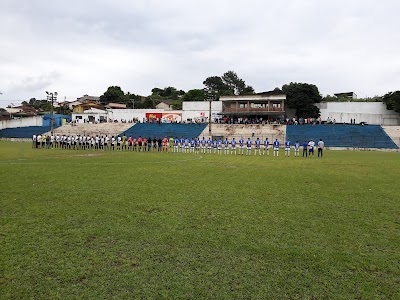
(175, 145)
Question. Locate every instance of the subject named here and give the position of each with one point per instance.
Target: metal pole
(209, 115)
(52, 113)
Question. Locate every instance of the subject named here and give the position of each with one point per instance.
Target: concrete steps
(394, 133)
(109, 129)
(237, 131)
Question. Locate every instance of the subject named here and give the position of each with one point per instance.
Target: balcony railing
(252, 109)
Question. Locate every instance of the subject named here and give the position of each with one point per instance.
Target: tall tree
(194, 95)
(302, 97)
(170, 93)
(215, 83)
(236, 85)
(113, 94)
(392, 101)
(228, 84)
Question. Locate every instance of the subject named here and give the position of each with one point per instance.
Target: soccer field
(100, 225)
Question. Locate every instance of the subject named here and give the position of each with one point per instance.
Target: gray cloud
(82, 47)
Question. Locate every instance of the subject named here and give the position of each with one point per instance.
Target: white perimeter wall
(22, 122)
(200, 110)
(369, 112)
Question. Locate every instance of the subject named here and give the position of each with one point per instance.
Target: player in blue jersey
(198, 144)
(203, 145)
(214, 145)
(296, 148)
(258, 147)
(187, 143)
(266, 147)
(176, 145)
(219, 146)
(192, 145)
(209, 145)
(182, 145)
(241, 145)
(248, 146)
(305, 147)
(226, 146)
(233, 146)
(276, 148)
(287, 148)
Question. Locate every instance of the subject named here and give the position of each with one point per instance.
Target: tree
(194, 95)
(392, 101)
(236, 85)
(170, 93)
(215, 83)
(302, 97)
(228, 84)
(113, 94)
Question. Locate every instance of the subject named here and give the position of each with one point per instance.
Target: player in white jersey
(248, 146)
(311, 145)
(97, 142)
(106, 142)
(38, 141)
(76, 142)
(83, 143)
(52, 141)
(119, 139)
(233, 146)
(57, 141)
(258, 147)
(287, 148)
(34, 141)
(296, 149)
(112, 145)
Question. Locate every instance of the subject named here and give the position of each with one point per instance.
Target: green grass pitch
(115, 225)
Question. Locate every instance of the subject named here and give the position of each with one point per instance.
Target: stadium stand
(23, 132)
(350, 136)
(110, 129)
(237, 131)
(165, 129)
(394, 133)
(28, 131)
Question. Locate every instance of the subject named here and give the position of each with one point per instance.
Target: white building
(200, 110)
(92, 115)
(367, 112)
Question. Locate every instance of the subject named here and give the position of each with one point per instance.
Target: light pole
(209, 94)
(50, 97)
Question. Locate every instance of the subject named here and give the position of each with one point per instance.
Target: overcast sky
(82, 47)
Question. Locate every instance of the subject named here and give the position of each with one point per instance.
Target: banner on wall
(153, 116)
(172, 117)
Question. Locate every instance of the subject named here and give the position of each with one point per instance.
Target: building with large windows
(266, 106)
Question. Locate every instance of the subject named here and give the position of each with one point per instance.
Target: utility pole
(50, 97)
(209, 95)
